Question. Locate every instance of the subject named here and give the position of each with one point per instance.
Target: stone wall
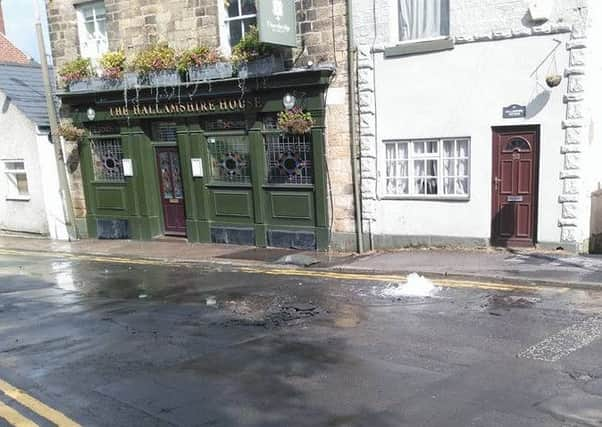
(322, 38)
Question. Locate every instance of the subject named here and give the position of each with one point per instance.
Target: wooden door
(172, 191)
(515, 184)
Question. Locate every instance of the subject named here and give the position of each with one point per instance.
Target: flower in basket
(71, 132)
(295, 121)
(159, 57)
(249, 47)
(198, 57)
(76, 70)
(113, 65)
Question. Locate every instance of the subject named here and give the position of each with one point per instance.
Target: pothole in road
(267, 312)
(494, 302)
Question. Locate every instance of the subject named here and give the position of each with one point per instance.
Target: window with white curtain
(428, 168)
(422, 19)
(238, 17)
(92, 29)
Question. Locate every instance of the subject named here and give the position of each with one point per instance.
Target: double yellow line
(297, 272)
(14, 418)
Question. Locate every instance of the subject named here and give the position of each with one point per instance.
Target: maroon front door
(515, 174)
(172, 192)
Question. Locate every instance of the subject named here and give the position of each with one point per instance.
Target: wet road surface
(145, 344)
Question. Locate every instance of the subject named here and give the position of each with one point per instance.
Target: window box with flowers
(78, 76)
(113, 74)
(203, 63)
(253, 58)
(156, 66)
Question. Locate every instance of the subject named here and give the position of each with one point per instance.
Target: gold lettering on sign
(204, 106)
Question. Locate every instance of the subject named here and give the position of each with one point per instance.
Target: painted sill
(415, 47)
(18, 198)
(427, 198)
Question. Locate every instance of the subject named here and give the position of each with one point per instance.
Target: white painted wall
(19, 139)
(461, 93)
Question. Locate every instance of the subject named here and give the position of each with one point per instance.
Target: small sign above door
(514, 111)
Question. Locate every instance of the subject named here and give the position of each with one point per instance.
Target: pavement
(500, 265)
(112, 341)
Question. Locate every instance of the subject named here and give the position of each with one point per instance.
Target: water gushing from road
(415, 286)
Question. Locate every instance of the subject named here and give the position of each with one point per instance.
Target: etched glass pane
(448, 186)
(107, 157)
(164, 166)
(432, 147)
(176, 177)
(462, 167)
(289, 159)
(419, 186)
(419, 147)
(462, 186)
(431, 167)
(431, 186)
(230, 160)
(419, 168)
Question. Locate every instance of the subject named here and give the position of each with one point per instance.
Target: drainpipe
(54, 128)
(351, 65)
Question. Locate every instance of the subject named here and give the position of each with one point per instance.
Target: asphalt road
(96, 343)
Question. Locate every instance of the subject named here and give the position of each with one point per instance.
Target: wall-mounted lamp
(288, 101)
(91, 114)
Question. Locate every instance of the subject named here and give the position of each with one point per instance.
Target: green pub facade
(206, 161)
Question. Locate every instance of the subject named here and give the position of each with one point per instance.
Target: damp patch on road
(565, 342)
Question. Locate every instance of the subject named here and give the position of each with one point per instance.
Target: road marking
(449, 283)
(14, 418)
(565, 342)
(360, 276)
(36, 406)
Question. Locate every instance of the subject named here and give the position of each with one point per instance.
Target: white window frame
(439, 156)
(12, 189)
(101, 40)
(395, 37)
(224, 28)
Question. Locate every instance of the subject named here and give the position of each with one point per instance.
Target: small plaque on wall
(128, 170)
(514, 111)
(197, 167)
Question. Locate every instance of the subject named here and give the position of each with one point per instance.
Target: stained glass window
(289, 158)
(230, 160)
(106, 158)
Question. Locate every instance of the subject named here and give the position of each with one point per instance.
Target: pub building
(208, 165)
(206, 160)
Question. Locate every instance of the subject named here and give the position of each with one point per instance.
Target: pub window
(165, 132)
(289, 158)
(92, 30)
(238, 17)
(422, 19)
(428, 168)
(107, 159)
(230, 161)
(16, 177)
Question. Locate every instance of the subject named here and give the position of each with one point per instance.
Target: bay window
(428, 168)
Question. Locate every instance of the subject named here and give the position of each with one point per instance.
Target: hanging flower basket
(553, 80)
(71, 132)
(295, 121)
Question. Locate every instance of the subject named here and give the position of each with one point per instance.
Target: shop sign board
(277, 22)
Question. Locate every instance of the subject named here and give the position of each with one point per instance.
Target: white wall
(19, 139)
(461, 93)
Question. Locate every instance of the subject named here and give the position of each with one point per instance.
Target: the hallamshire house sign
(276, 22)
